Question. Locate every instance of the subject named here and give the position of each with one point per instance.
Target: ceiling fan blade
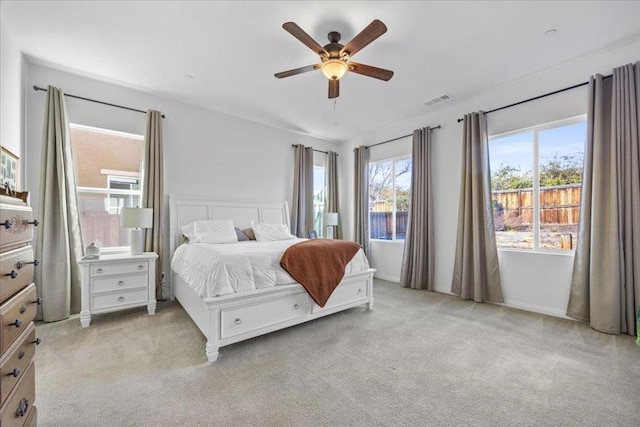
(368, 70)
(295, 71)
(334, 89)
(305, 38)
(366, 36)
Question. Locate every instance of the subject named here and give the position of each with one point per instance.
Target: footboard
(232, 318)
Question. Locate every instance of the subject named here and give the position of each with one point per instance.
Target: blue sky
(517, 149)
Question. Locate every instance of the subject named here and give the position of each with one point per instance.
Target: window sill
(538, 251)
(386, 241)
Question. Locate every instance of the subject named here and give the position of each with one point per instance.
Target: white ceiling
(233, 48)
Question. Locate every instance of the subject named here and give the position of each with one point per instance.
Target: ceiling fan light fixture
(334, 69)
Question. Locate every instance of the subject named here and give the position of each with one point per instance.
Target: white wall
(205, 153)
(533, 281)
(11, 97)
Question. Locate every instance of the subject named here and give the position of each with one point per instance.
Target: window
(318, 199)
(108, 168)
(536, 177)
(389, 183)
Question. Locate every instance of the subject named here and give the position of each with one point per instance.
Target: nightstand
(116, 282)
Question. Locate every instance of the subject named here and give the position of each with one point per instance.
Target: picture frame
(9, 170)
(313, 234)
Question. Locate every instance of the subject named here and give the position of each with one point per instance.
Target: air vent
(438, 99)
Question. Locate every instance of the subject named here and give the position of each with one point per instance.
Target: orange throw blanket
(318, 265)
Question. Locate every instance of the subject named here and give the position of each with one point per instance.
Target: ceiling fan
(336, 57)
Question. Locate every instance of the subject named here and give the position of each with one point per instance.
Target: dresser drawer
(16, 410)
(345, 293)
(235, 321)
(19, 231)
(119, 283)
(118, 268)
(15, 361)
(16, 315)
(16, 271)
(119, 299)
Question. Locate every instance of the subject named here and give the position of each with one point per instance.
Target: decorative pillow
(215, 231)
(241, 236)
(249, 233)
(266, 232)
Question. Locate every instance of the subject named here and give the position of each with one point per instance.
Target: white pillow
(214, 231)
(266, 232)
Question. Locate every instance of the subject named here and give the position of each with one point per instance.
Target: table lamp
(330, 221)
(137, 219)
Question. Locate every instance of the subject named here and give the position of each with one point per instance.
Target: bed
(234, 317)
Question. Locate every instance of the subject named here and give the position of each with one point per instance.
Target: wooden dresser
(18, 306)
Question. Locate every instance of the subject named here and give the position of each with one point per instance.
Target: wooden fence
(381, 225)
(558, 205)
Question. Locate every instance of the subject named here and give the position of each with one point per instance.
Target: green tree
(561, 170)
(508, 177)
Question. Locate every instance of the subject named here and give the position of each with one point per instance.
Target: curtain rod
(36, 88)
(400, 137)
(539, 96)
(319, 151)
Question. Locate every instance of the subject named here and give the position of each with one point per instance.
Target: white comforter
(221, 269)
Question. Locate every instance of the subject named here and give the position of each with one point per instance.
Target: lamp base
(329, 231)
(137, 241)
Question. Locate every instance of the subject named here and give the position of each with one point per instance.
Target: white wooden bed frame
(232, 318)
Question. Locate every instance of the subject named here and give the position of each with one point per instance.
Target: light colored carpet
(417, 359)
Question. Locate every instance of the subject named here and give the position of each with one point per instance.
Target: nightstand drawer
(118, 268)
(120, 282)
(120, 299)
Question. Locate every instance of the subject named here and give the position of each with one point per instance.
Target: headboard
(184, 210)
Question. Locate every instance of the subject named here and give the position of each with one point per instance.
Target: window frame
(393, 160)
(536, 129)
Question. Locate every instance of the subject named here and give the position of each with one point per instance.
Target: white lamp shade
(331, 218)
(136, 217)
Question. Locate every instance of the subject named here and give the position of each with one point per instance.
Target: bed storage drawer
(16, 271)
(238, 320)
(345, 293)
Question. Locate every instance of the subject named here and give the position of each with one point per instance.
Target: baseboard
(535, 309)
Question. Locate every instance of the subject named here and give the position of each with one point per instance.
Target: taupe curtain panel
(153, 190)
(331, 204)
(418, 258)
(476, 272)
(605, 287)
(302, 205)
(361, 197)
(59, 241)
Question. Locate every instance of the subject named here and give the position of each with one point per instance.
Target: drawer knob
(37, 301)
(21, 354)
(37, 341)
(34, 262)
(120, 282)
(141, 267)
(7, 224)
(23, 309)
(13, 274)
(23, 408)
(121, 298)
(360, 290)
(17, 323)
(238, 321)
(35, 222)
(99, 271)
(296, 306)
(15, 373)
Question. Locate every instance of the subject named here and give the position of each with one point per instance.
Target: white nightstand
(116, 282)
